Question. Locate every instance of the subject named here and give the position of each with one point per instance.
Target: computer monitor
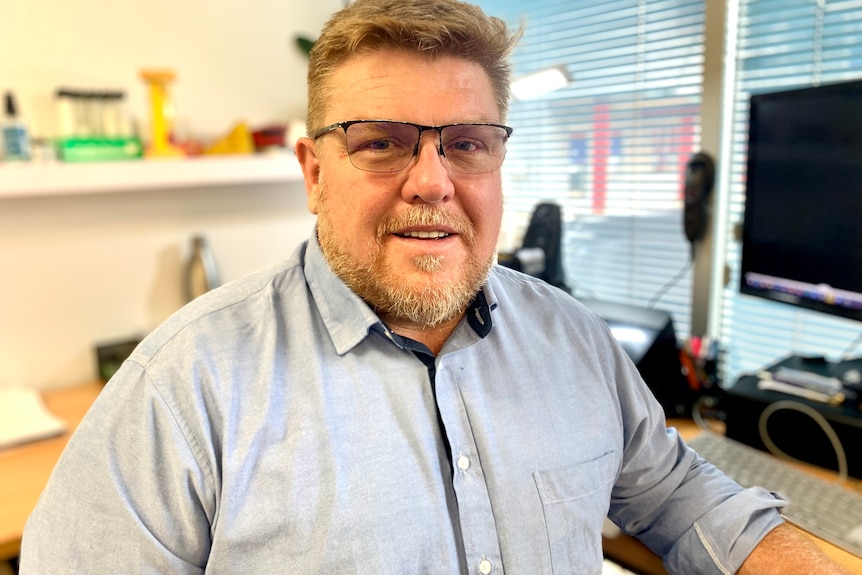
(802, 230)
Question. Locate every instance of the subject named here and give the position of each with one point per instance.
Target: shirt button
(463, 463)
(484, 567)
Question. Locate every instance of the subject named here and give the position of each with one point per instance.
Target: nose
(428, 177)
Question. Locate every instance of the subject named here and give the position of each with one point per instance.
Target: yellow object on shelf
(238, 141)
(161, 114)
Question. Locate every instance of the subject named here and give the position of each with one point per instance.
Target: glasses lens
(474, 148)
(389, 146)
(381, 146)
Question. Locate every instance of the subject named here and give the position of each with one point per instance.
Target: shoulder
(525, 296)
(259, 298)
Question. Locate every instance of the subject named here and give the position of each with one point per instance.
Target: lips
(426, 223)
(423, 235)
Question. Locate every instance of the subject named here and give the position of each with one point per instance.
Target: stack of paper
(24, 418)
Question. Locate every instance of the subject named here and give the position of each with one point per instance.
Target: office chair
(541, 252)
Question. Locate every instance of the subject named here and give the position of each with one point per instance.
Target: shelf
(57, 179)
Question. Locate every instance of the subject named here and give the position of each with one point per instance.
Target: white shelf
(56, 179)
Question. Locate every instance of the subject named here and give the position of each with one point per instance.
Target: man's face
(418, 243)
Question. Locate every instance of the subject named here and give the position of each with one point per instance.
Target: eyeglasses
(387, 147)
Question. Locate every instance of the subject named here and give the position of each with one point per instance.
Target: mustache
(425, 215)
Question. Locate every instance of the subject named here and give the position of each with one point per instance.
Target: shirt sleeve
(682, 507)
(128, 490)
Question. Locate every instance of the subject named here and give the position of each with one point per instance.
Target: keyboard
(827, 510)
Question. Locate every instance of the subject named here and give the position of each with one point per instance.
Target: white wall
(233, 60)
(80, 270)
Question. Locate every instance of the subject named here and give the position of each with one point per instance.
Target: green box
(99, 149)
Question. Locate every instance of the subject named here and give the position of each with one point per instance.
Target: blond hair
(432, 27)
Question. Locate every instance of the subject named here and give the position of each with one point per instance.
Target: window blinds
(611, 147)
(781, 45)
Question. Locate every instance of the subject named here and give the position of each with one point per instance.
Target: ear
(310, 164)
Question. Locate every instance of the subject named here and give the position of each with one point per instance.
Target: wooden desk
(24, 469)
(633, 554)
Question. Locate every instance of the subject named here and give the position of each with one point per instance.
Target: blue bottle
(16, 140)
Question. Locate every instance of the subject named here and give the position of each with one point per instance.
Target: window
(611, 147)
(781, 45)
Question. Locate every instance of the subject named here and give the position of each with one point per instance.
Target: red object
(268, 137)
(601, 153)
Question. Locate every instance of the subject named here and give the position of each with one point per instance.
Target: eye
(380, 145)
(380, 137)
(465, 145)
(471, 139)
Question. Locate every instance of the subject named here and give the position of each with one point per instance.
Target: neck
(432, 337)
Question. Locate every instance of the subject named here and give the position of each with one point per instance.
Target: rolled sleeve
(723, 538)
(682, 507)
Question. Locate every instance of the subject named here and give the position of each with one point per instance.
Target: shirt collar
(479, 314)
(347, 318)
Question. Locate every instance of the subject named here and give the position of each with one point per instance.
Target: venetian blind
(781, 45)
(611, 147)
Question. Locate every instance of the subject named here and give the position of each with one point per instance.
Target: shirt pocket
(575, 500)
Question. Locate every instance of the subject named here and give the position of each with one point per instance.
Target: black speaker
(110, 355)
(648, 337)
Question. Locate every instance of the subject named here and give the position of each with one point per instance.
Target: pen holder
(700, 371)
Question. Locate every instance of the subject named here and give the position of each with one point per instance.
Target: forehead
(399, 85)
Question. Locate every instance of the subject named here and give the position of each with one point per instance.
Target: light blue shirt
(275, 426)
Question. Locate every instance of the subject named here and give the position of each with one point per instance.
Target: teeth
(425, 235)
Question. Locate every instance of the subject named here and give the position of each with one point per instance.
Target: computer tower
(648, 337)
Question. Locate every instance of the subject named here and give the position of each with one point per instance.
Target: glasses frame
(422, 129)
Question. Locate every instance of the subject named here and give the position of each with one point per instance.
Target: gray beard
(429, 303)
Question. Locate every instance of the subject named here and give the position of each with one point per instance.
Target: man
(387, 400)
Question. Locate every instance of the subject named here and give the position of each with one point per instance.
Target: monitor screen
(802, 229)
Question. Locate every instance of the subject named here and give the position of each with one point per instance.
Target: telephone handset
(699, 179)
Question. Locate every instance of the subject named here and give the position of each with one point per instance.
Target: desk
(631, 553)
(24, 469)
